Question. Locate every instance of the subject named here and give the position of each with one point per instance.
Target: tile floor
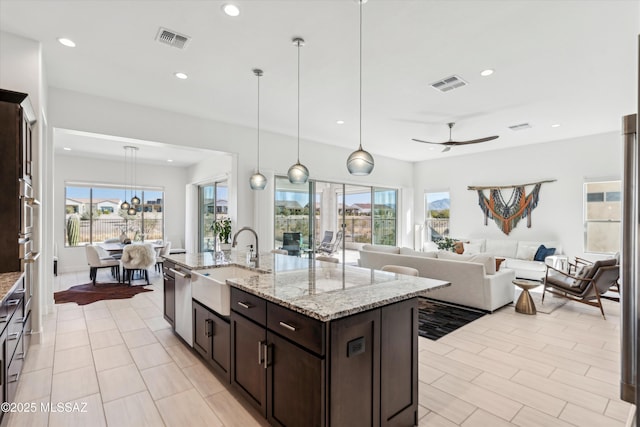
(124, 367)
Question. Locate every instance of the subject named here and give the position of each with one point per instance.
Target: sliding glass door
(345, 216)
(212, 205)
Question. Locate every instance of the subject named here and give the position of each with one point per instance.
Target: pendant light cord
(360, 131)
(258, 74)
(298, 101)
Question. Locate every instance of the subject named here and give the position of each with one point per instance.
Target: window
(437, 214)
(602, 213)
(93, 215)
(214, 203)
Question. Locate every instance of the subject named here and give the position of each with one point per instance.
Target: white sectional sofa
(474, 280)
(518, 254)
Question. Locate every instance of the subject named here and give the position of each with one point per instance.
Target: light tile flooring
(124, 367)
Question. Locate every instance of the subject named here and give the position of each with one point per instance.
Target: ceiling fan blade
(475, 141)
(426, 142)
(448, 148)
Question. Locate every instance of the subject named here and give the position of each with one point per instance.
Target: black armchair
(291, 243)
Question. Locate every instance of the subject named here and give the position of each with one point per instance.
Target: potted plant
(222, 230)
(447, 244)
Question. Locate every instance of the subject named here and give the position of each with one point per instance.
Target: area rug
(437, 319)
(551, 302)
(87, 293)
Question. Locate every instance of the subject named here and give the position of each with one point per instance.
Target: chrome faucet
(254, 258)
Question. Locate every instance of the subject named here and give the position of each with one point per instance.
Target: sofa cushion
(472, 248)
(488, 260)
(409, 251)
(527, 250)
(382, 248)
(543, 252)
(501, 248)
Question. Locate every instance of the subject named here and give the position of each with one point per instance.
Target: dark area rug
(437, 319)
(87, 293)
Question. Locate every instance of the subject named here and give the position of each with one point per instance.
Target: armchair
(586, 286)
(291, 243)
(333, 247)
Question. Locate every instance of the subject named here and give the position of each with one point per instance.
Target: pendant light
(135, 201)
(125, 205)
(298, 173)
(360, 162)
(257, 180)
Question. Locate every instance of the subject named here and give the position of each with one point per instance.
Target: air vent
(172, 38)
(521, 126)
(449, 83)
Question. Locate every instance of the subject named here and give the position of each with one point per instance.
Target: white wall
(559, 215)
(90, 170)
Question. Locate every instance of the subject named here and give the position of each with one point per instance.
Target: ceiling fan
(450, 143)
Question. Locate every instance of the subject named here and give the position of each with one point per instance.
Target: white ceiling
(568, 62)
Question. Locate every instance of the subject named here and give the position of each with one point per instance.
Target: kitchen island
(311, 343)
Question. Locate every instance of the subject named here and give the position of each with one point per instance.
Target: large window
(93, 215)
(214, 205)
(437, 213)
(602, 214)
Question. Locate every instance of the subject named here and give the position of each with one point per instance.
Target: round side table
(525, 304)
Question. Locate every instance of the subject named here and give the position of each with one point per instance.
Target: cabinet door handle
(16, 376)
(266, 355)
(260, 352)
(183, 275)
(244, 305)
(13, 302)
(209, 327)
(13, 336)
(20, 291)
(288, 326)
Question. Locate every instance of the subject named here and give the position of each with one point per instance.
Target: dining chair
(96, 262)
(163, 251)
(137, 257)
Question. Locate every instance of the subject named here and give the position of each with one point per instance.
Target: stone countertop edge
(326, 307)
(7, 280)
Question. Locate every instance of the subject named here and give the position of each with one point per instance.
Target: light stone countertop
(320, 290)
(7, 280)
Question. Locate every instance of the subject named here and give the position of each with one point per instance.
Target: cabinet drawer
(303, 330)
(13, 373)
(250, 306)
(167, 266)
(14, 335)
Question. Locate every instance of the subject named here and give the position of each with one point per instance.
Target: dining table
(117, 248)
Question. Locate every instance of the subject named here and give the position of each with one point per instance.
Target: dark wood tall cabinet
(16, 198)
(17, 246)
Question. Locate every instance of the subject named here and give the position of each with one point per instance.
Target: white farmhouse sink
(210, 288)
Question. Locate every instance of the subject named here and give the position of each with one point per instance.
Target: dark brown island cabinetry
(359, 370)
(211, 338)
(169, 292)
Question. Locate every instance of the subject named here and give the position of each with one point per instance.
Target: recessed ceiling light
(169, 160)
(181, 76)
(67, 42)
(231, 9)
(555, 125)
(340, 122)
(67, 149)
(487, 72)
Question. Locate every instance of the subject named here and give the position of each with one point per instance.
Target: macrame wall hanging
(507, 214)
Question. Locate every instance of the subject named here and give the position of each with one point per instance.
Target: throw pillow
(543, 252)
(472, 248)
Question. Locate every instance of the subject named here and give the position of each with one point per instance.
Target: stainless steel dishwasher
(184, 317)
